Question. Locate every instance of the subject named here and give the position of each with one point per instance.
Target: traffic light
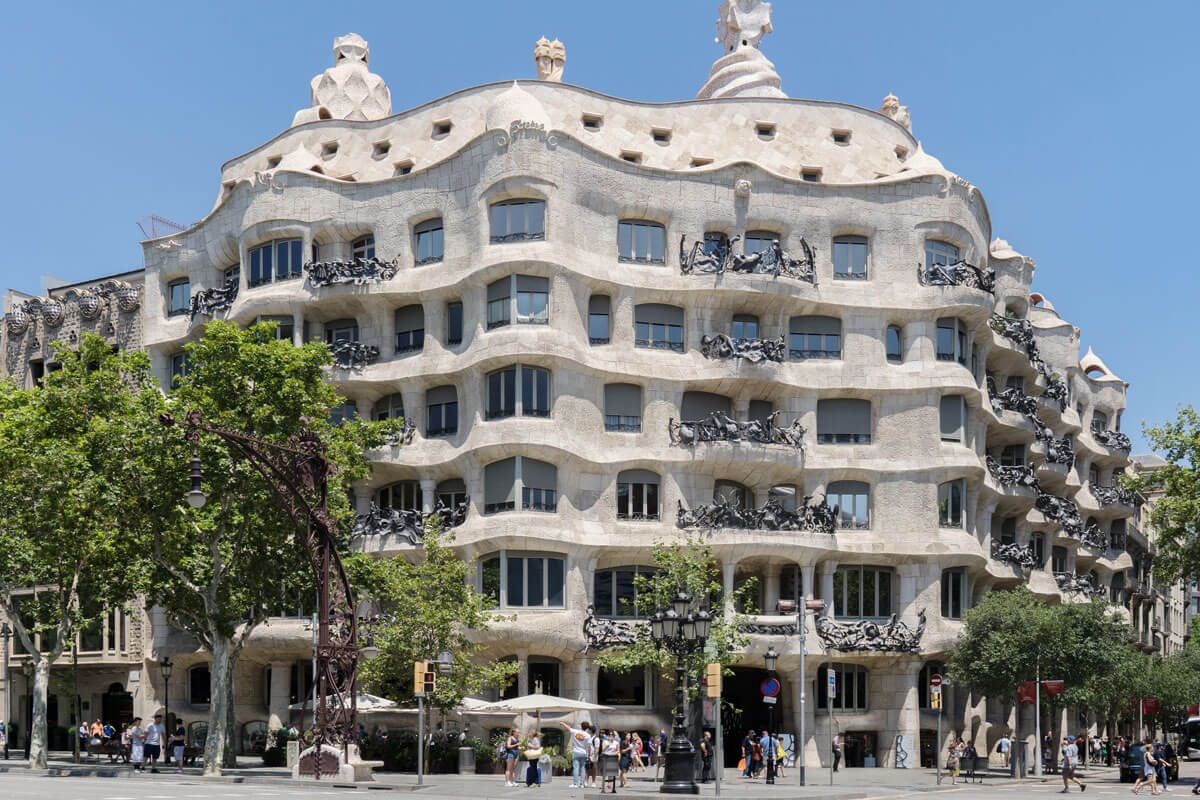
(935, 699)
(430, 682)
(419, 670)
(712, 675)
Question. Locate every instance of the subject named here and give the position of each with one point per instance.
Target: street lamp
(165, 666)
(196, 497)
(815, 606)
(771, 659)
(6, 635)
(680, 631)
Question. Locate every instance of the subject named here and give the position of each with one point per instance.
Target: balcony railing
(547, 507)
(492, 324)
(818, 517)
(638, 517)
(1111, 495)
(806, 354)
(720, 427)
(358, 271)
(596, 340)
(717, 258)
(843, 438)
(1071, 583)
(659, 344)
(960, 273)
(755, 351)
(409, 523)
(210, 301)
(1011, 399)
(519, 236)
(1019, 555)
(349, 354)
(619, 424)
(1114, 439)
(499, 413)
(1060, 510)
(1020, 475)
(497, 508)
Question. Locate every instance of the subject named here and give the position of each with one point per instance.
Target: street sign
(832, 690)
(769, 699)
(770, 687)
(935, 680)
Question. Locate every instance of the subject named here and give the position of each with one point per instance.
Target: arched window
(390, 407)
(641, 242)
(499, 486)
(341, 330)
(402, 495)
(451, 493)
(930, 669)
(637, 494)
(614, 592)
(410, 328)
(539, 485)
(851, 687)
(862, 592)
(363, 247)
(939, 253)
(894, 344)
(658, 326)
(745, 326)
(519, 389)
(441, 411)
(514, 579)
(622, 407)
(277, 260)
(429, 242)
(517, 220)
(951, 502)
(731, 492)
(200, 685)
(850, 257)
(815, 337)
(853, 500)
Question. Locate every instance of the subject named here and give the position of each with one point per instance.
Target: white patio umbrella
(364, 701)
(538, 703)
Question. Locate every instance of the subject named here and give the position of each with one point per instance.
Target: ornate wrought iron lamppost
(771, 659)
(6, 635)
(299, 472)
(680, 631)
(165, 666)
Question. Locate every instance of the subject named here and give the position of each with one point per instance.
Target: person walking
(770, 748)
(706, 757)
(533, 753)
(747, 753)
(837, 751)
(1163, 757)
(580, 743)
(1003, 746)
(780, 757)
(638, 764)
(626, 751)
(1149, 764)
(1070, 762)
(952, 761)
(155, 736)
(593, 766)
(178, 740)
(137, 746)
(512, 749)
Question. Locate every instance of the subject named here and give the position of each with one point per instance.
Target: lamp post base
(680, 774)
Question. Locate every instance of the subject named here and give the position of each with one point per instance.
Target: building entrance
(744, 710)
(859, 748)
(116, 706)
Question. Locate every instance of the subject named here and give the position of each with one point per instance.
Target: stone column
(277, 703)
(523, 672)
(908, 722)
(771, 588)
(728, 569)
(812, 755)
(808, 576)
(584, 685)
(362, 498)
(909, 573)
(365, 408)
(298, 328)
(427, 499)
(828, 568)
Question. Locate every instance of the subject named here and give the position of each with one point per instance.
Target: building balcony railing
(716, 258)
(499, 413)
(720, 345)
(409, 523)
(492, 324)
(349, 354)
(1060, 510)
(210, 301)
(806, 355)
(597, 340)
(1113, 439)
(659, 344)
(619, 424)
(960, 273)
(547, 507)
(1018, 555)
(1016, 475)
(1011, 399)
(843, 438)
(520, 236)
(638, 517)
(498, 508)
(817, 517)
(357, 271)
(1071, 583)
(720, 427)
(1111, 495)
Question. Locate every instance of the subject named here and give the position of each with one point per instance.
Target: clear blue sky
(1075, 118)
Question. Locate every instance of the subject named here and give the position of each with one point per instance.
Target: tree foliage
(429, 604)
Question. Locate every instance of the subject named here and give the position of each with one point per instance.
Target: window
(533, 294)
(1117, 589)
(499, 303)
(390, 407)
(285, 327)
(343, 413)
(502, 396)
(1037, 543)
(953, 418)
(179, 297)
(658, 326)
(199, 685)
(811, 174)
(1015, 382)
(518, 220)
(894, 345)
(592, 122)
(622, 408)
(930, 669)
(363, 247)
(851, 692)
(614, 592)
(1093, 475)
(627, 688)
(862, 592)
(538, 486)
(523, 580)
(599, 327)
(1099, 420)
(791, 584)
(815, 337)
(954, 593)
(441, 411)
(731, 493)
(535, 392)
(758, 242)
(744, 326)
(951, 495)
(702, 405)
(429, 241)
(941, 254)
(1008, 529)
(844, 420)
(715, 243)
(341, 330)
(277, 260)
(1058, 559)
(637, 494)
(784, 495)
(451, 493)
(231, 275)
(501, 393)
(181, 365)
(499, 485)
(641, 242)
(1117, 535)
(403, 496)
(454, 323)
(410, 329)
(1013, 455)
(760, 410)
(850, 257)
(952, 340)
(852, 499)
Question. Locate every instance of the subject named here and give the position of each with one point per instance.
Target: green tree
(65, 558)
(1175, 515)
(220, 571)
(429, 604)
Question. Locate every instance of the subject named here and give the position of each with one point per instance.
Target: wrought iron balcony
(1071, 583)
(1060, 510)
(817, 517)
(843, 438)
(1017, 331)
(619, 424)
(210, 301)
(349, 354)
(1114, 439)
(547, 507)
(358, 271)
(446, 431)
(1011, 399)
(595, 340)
(717, 258)
(409, 523)
(1019, 555)
(520, 236)
(405, 435)
(1156, 624)
(1092, 536)
(1056, 392)
(753, 350)
(1058, 451)
(638, 517)
(497, 508)
(658, 344)
(1017, 475)
(960, 273)
(720, 427)
(1111, 495)
(421, 262)
(492, 324)
(807, 354)
(499, 413)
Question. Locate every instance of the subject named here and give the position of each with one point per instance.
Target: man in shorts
(156, 734)
(1070, 761)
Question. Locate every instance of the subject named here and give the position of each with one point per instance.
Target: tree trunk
(37, 728)
(218, 710)
(231, 729)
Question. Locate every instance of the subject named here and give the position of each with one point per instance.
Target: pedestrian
(626, 751)
(706, 757)
(533, 753)
(512, 747)
(638, 765)
(780, 757)
(837, 751)
(770, 748)
(952, 761)
(593, 756)
(125, 741)
(1003, 747)
(1070, 762)
(1149, 765)
(137, 745)
(155, 736)
(580, 744)
(464, 734)
(178, 740)
(1164, 758)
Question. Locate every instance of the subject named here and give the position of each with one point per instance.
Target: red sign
(1026, 692)
(935, 680)
(1150, 705)
(1054, 687)
(1194, 710)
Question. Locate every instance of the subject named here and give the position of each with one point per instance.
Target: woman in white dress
(137, 745)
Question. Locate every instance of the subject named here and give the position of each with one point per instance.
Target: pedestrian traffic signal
(430, 682)
(712, 675)
(419, 670)
(935, 701)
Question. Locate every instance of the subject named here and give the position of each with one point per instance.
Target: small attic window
(841, 136)
(329, 149)
(592, 122)
(661, 135)
(381, 149)
(632, 156)
(441, 128)
(811, 174)
(901, 152)
(701, 162)
(765, 130)
(403, 167)
(273, 161)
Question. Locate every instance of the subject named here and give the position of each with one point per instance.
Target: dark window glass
(535, 392)
(953, 590)
(518, 220)
(598, 332)
(502, 396)
(363, 247)
(429, 242)
(179, 297)
(200, 685)
(454, 323)
(641, 242)
(894, 352)
(850, 257)
(950, 504)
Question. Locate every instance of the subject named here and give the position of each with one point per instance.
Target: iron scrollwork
(892, 636)
(601, 634)
(817, 517)
(1012, 476)
(1077, 584)
(717, 258)
(753, 350)
(410, 524)
(358, 271)
(1059, 451)
(769, 628)
(404, 435)
(1095, 538)
(1060, 510)
(210, 301)
(960, 273)
(1114, 439)
(353, 355)
(1019, 555)
(1111, 495)
(720, 427)
(1011, 399)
